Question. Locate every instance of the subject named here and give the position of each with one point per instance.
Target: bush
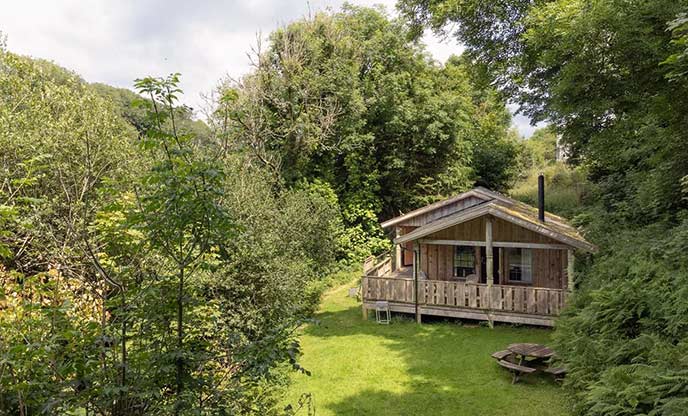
(624, 338)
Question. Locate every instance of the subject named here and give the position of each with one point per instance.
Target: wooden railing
(519, 299)
(392, 289)
(378, 266)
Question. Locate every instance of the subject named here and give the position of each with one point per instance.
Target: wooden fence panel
(508, 299)
(539, 305)
(519, 300)
(460, 295)
(484, 294)
(554, 302)
(472, 295)
(368, 264)
(440, 294)
(531, 305)
(539, 301)
(450, 293)
(378, 266)
(497, 298)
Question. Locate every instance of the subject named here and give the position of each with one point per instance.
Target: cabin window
(464, 261)
(521, 265)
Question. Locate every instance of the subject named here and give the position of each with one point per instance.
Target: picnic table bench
(516, 369)
(500, 355)
(503, 355)
(557, 372)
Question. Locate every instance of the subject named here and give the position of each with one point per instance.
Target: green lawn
(438, 368)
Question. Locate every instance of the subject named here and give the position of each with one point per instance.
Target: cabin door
(495, 265)
(407, 254)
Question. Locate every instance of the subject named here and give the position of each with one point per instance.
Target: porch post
(569, 269)
(416, 265)
(397, 250)
(364, 290)
(489, 261)
(488, 252)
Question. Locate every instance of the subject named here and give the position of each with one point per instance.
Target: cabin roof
(499, 206)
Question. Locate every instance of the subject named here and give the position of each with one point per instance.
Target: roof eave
(491, 210)
(409, 215)
(466, 215)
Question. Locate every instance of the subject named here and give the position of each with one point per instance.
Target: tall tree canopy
(347, 99)
(611, 78)
(593, 70)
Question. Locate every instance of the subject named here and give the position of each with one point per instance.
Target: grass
(564, 191)
(438, 368)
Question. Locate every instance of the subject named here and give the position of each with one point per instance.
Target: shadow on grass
(446, 367)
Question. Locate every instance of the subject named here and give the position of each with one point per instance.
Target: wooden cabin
(479, 255)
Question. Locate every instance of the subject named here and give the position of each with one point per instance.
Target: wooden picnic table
(527, 350)
(523, 351)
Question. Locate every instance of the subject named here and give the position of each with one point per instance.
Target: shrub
(624, 339)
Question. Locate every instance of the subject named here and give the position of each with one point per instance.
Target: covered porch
(457, 298)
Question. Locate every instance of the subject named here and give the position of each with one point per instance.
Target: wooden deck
(500, 303)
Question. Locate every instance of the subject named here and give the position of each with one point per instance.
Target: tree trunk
(180, 334)
(124, 340)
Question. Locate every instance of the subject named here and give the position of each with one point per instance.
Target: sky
(115, 42)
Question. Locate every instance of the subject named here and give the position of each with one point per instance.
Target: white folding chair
(382, 313)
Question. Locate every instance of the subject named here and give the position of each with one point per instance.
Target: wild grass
(439, 368)
(565, 188)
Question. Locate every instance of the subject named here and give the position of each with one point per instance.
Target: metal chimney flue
(541, 197)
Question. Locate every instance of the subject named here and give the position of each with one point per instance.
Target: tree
(181, 211)
(539, 150)
(345, 98)
(125, 101)
(610, 78)
(580, 66)
(677, 62)
(136, 276)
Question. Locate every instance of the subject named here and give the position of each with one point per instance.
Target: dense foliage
(59, 144)
(566, 187)
(155, 264)
(611, 78)
(347, 100)
(144, 270)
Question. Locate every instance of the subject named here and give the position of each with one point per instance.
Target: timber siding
(428, 217)
(407, 252)
(474, 230)
(437, 261)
